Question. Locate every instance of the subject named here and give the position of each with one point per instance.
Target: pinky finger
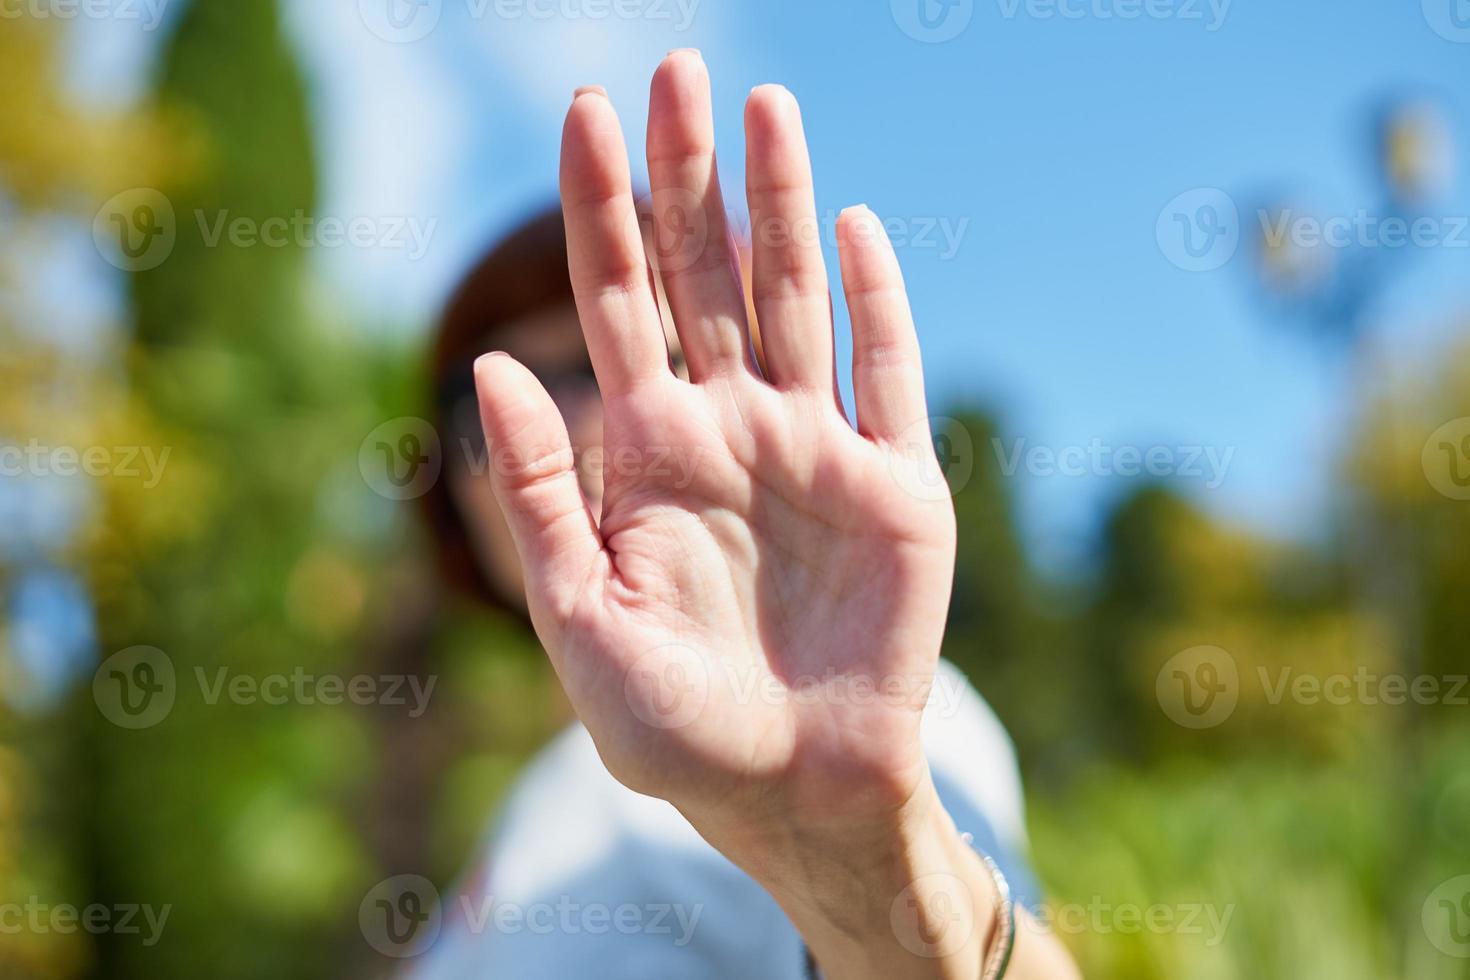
(887, 372)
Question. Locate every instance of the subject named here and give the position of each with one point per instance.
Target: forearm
(907, 900)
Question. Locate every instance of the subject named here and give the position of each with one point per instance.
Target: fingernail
(589, 90)
(484, 359)
(694, 51)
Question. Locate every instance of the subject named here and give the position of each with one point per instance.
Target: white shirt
(585, 878)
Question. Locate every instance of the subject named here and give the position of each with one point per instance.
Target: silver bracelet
(998, 956)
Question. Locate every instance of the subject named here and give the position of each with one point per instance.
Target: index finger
(609, 270)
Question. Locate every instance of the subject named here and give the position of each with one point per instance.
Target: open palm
(751, 624)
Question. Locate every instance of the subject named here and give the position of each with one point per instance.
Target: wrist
(902, 896)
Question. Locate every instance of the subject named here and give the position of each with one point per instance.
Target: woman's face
(550, 344)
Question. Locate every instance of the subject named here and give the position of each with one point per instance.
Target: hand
(750, 627)
(749, 539)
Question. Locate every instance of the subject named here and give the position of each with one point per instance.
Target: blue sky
(1045, 144)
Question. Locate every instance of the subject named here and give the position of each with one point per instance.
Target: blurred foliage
(54, 158)
(1319, 828)
(53, 152)
(1322, 828)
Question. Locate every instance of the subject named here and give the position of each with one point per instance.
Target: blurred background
(1193, 283)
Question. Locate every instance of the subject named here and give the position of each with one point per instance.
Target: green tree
(240, 816)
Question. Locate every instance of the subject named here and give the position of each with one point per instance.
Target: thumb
(533, 473)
